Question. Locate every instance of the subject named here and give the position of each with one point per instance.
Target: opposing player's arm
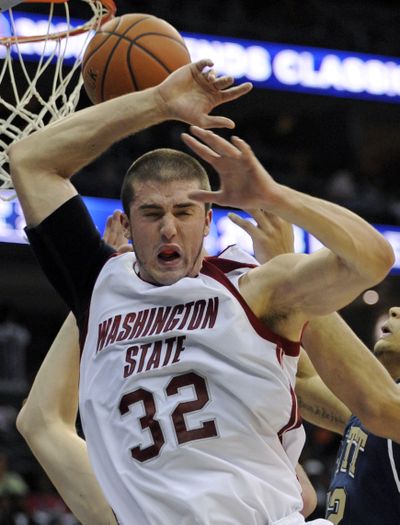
(48, 418)
(354, 374)
(295, 287)
(308, 493)
(318, 405)
(42, 163)
(47, 422)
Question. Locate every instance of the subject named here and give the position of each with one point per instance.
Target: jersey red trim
(295, 418)
(216, 269)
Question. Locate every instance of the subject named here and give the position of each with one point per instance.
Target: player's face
(387, 347)
(167, 230)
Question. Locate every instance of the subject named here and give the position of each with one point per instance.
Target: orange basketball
(130, 53)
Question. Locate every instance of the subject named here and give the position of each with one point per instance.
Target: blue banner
(223, 232)
(268, 65)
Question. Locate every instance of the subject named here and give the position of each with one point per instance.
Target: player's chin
(380, 347)
(169, 278)
(168, 274)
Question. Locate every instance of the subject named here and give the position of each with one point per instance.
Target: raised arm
(42, 163)
(295, 287)
(47, 422)
(349, 378)
(354, 374)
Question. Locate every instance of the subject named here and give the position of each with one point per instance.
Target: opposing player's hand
(114, 233)
(190, 93)
(244, 182)
(271, 235)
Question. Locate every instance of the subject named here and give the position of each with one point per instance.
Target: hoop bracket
(8, 4)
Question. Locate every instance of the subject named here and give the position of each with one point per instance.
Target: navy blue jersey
(365, 489)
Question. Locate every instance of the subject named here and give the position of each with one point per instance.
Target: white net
(40, 75)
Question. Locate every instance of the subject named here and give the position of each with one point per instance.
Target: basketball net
(33, 96)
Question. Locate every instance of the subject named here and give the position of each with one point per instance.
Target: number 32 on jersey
(149, 421)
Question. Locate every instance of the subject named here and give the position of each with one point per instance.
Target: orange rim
(110, 13)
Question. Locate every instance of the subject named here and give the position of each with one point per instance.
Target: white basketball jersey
(186, 399)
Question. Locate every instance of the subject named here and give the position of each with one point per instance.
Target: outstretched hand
(114, 233)
(189, 94)
(244, 182)
(271, 235)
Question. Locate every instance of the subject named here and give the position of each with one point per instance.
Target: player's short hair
(163, 165)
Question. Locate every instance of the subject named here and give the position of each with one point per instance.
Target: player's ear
(208, 221)
(126, 226)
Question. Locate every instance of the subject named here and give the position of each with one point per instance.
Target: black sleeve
(71, 252)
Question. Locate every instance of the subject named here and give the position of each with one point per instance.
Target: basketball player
(47, 419)
(184, 409)
(366, 483)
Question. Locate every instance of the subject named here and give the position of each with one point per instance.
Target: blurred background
(346, 150)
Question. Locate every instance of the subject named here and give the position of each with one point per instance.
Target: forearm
(64, 147)
(47, 422)
(308, 492)
(43, 163)
(54, 393)
(319, 406)
(354, 375)
(63, 455)
(347, 235)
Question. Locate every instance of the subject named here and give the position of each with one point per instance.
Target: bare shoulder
(263, 289)
(268, 276)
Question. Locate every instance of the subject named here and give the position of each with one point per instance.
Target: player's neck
(394, 369)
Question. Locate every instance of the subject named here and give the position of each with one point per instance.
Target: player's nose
(168, 226)
(394, 311)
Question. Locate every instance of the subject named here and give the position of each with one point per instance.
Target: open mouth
(385, 330)
(169, 255)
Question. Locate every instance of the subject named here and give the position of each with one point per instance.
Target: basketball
(130, 53)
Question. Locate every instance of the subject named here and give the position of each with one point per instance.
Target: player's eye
(152, 215)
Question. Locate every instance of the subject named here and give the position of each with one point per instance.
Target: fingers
(236, 91)
(213, 147)
(210, 75)
(245, 224)
(114, 232)
(223, 82)
(221, 145)
(199, 148)
(211, 121)
(267, 220)
(241, 145)
(202, 63)
(264, 217)
(205, 196)
(216, 143)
